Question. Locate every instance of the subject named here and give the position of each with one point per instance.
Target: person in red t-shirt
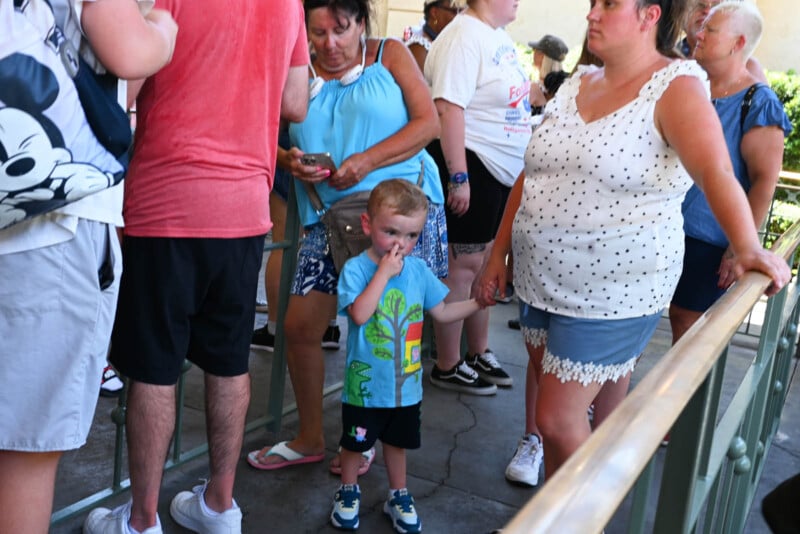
(196, 212)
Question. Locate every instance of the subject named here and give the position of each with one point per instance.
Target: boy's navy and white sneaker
(524, 466)
(346, 502)
(462, 378)
(263, 339)
(489, 369)
(330, 340)
(400, 509)
(189, 510)
(105, 521)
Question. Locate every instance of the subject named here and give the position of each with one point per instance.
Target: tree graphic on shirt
(395, 332)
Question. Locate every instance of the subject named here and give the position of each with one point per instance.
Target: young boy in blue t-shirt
(384, 292)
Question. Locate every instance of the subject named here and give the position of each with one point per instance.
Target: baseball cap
(551, 46)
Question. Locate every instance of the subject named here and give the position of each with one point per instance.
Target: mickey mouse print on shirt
(37, 171)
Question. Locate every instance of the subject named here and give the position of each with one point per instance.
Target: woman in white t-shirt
(481, 93)
(595, 220)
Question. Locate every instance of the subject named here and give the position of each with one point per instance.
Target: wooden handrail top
(789, 175)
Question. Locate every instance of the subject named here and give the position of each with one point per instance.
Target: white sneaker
(189, 510)
(110, 383)
(105, 521)
(524, 466)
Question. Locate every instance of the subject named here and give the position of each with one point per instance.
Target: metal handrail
(585, 492)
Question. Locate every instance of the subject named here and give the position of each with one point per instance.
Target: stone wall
(779, 48)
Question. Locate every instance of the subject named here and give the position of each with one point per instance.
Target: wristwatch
(459, 178)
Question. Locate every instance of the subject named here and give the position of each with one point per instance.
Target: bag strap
(316, 202)
(313, 196)
(748, 99)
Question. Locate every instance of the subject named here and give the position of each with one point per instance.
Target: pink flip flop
(369, 457)
(282, 450)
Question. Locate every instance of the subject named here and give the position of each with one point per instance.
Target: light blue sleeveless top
(346, 119)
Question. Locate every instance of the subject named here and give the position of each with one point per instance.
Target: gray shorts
(55, 325)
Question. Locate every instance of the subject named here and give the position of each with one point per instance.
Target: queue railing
(716, 453)
(787, 192)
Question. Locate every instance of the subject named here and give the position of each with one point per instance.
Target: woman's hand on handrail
(764, 261)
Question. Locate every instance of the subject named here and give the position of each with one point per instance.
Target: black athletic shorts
(487, 200)
(190, 298)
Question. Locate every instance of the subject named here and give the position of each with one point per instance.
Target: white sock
(332, 322)
(391, 492)
(132, 530)
(271, 326)
(205, 509)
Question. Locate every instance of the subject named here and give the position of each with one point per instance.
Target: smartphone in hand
(319, 159)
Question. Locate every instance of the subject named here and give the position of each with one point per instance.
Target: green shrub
(787, 86)
(784, 214)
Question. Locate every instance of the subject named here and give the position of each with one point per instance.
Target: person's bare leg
(610, 396)
(395, 459)
(350, 462)
(304, 327)
(535, 355)
(477, 324)
(150, 422)
(272, 271)
(561, 416)
(26, 493)
(681, 320)
(227, 398)
(463, 265)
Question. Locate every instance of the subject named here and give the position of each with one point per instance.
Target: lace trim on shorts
(535, 337)
(585, 372)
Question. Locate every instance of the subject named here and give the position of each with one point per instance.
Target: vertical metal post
(277, 385)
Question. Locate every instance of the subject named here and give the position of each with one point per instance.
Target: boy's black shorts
(398, 427)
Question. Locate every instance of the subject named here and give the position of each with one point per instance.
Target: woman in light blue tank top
(371, 109)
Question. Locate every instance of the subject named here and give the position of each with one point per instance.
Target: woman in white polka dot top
(595, 218)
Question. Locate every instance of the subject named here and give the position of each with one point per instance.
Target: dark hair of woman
(344, 9)
(673, 13)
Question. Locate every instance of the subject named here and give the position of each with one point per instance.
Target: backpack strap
(746, 102)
